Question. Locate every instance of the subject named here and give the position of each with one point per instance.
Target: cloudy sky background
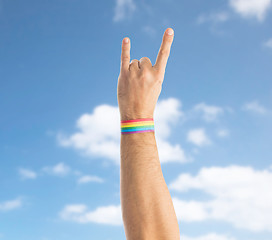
(60, 165)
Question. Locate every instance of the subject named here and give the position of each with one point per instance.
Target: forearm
(147, 207)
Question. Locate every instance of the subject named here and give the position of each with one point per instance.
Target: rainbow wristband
(137, 126)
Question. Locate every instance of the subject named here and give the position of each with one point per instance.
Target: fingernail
(126, 40)
(170, 31)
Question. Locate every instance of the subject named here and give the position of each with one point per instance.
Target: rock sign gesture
(140, 83)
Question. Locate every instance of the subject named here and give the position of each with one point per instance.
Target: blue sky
(59, 64)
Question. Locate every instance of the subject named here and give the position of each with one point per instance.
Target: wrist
(127, 117)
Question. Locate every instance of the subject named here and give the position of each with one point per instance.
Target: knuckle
(159, 75)
(144, 59)
(164, 51)
(159, 81)
(125, 58)
(133, 72)
(143, 75)
(146, 71)
(146, 75)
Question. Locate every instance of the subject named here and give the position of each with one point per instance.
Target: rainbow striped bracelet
(137, 126)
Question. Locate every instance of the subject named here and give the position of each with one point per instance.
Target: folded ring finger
(134, 65)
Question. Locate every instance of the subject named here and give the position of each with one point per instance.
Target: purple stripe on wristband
(138, 131)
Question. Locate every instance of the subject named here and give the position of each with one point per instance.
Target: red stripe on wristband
(138, 120)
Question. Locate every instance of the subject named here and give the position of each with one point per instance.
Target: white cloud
(88, 178)
(189, 211)
(27, 173)
(99, 137)
(60, 169)
(77, 173)
(79, 213)
(198, 137)
(255, 107)
(251, 8)
(123, 9)
(213, 17)
(222, 133)
(209, 113)
(168, 113)
(268, 43)
(10, 205)
(210, 236)
(239, 195)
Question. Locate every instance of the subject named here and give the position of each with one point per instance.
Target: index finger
(125, 55)
(164, 51)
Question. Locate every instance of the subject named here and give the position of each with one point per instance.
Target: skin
(147, 207)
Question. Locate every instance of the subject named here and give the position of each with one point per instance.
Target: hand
(140, 83)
